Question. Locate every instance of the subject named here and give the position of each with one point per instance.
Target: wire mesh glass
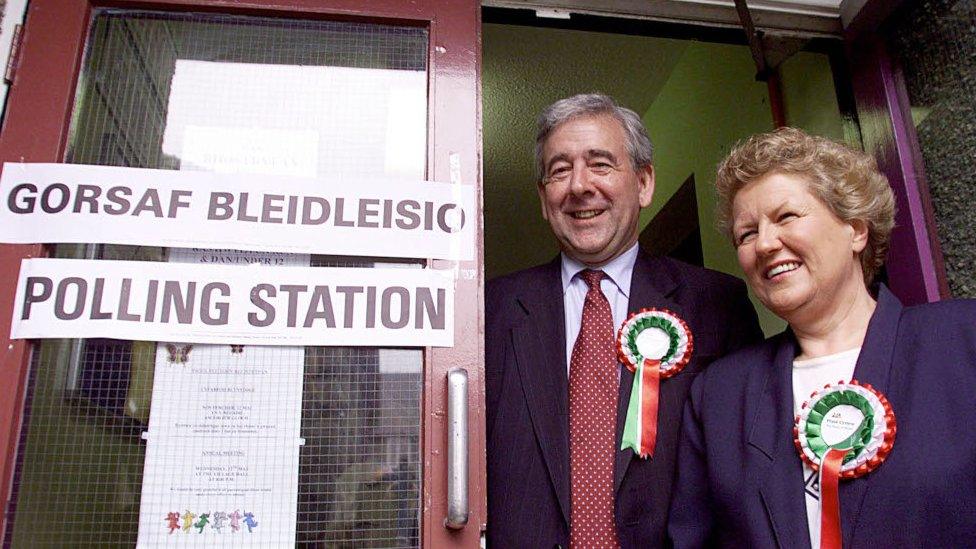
(233, 94)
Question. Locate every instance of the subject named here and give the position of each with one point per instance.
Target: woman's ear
(860, 239)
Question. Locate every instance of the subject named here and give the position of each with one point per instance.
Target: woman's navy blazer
(740, 481)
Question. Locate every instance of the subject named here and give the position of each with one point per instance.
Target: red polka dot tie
(592, 417)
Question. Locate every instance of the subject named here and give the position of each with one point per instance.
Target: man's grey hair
(639, 145)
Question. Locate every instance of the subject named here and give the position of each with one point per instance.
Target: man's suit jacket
(527, 398)
(740, 481)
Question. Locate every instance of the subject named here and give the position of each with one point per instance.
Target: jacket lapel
(771, 433)
(874, 368)
(651, 283)
(540, 350)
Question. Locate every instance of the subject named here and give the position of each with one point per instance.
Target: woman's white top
(809, 376)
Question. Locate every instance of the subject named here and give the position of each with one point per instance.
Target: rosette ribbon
(654, 344)
(836, 456)
(830, 535)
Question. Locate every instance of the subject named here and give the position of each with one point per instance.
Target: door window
(223, 93)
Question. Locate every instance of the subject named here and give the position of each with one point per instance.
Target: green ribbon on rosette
(645, 322)
(654, 344)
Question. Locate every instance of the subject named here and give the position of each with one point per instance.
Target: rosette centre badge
(654, 344)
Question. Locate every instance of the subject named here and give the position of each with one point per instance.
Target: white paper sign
(222, 451)
(42, 203)
(203, 303)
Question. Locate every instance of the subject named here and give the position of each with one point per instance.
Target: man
(556, 396)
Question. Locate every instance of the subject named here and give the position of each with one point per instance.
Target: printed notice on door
(222, 448)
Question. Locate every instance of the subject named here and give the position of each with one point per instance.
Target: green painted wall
(710, 102)
(810, 97)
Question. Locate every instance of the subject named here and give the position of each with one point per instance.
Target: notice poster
(222, 448)
(223, 440)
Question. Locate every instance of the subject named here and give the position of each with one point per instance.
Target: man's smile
(586, 214)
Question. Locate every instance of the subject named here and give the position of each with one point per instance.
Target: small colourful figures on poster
(216, 520)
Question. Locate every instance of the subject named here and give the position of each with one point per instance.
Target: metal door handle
(457, 449)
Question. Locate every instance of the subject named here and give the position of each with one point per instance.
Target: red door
(154, 84)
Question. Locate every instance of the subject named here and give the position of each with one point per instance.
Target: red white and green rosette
(844, 430)
(654, 344)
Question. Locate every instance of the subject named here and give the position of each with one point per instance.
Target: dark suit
(527, 398)
(740, 482)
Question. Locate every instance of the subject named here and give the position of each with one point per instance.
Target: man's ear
(860, 238)
(645, 182)
(541, 188)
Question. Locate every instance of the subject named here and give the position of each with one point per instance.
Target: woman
(810, 221)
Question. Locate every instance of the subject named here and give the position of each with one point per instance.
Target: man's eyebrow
(590, 154)
(561, 157)
(601, 153)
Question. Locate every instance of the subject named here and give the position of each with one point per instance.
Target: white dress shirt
(615, 286)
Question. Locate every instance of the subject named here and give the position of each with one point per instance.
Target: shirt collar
(618, 269)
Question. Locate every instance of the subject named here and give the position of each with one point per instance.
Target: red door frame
(36, 130)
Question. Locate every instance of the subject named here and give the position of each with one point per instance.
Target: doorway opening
(695, 89)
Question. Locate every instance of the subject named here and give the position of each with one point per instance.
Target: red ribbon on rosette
(650, 383)
(830, 537)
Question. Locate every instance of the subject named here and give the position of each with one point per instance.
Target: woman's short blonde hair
(845, 180)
